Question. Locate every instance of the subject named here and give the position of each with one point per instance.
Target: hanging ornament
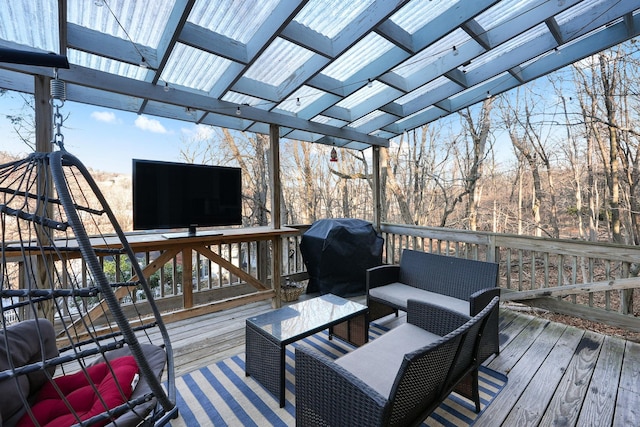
(334, 155)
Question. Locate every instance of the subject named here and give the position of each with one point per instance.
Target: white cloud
(104, 116)
(198, 132)
(150, 125)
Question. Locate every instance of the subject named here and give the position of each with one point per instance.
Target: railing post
(276, 219)
(187, 278)
(493, 252)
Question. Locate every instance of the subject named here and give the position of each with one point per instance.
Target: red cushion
(77, 395)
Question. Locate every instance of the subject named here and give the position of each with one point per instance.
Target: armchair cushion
(397, 379)
(463, 285)
(388, 351)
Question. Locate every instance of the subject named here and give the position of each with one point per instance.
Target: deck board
(522, 372)
(627, 412)
(565, 406)
(599, 403)
(531, 405)
(558, 375)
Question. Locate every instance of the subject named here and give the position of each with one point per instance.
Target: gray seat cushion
(378, 362)
(24, 343)
(399, 293)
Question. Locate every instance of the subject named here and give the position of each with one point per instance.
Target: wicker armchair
(460, 284)
(348, 393)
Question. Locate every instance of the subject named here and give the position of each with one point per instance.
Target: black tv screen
(170, 195)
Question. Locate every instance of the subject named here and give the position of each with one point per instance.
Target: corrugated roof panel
(329, 121)
(505, 10)
(432, 53)
(365, 119)
(359, 56)
(194, 68)
(329, 17)
(422, 90)
(417, 14)
(362, 95)
(286, 55)
(140, 22)
(577, 10)
(32, 23)
(508, 46)
(107, 65)
(242, 99)
(304, 96)
(236, 19)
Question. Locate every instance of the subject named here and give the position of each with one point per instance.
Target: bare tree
(609, 79)
(529, 141)
(479, 134)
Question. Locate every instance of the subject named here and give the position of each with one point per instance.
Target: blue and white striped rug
(221, 394)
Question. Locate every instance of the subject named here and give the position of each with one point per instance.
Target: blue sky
(105, 139)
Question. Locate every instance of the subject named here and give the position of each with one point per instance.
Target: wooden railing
(595, 281)
(188, 276)
(590, 280)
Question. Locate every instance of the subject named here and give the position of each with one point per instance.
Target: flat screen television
(169, 195)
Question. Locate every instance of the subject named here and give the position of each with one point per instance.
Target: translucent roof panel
(236, 19)
(366, 119)
(416, 14)
(17, 16)
(362, 95)
(303, 65)
(432, 54)
(364, 52)
(429, 87)
(247, 101)
(505, 10)
(288, 57)
(300, 99)
(130, 20)
(329, 17)
(508, 46)
(194, 68)
(107, 65)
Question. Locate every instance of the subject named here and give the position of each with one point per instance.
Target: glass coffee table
(268, 334)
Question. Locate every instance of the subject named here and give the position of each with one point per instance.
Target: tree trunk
(394, 188)
(609, 85)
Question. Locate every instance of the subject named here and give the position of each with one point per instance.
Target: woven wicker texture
(464, 279)
(329, 395)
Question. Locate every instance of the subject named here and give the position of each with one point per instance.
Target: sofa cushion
(84, 394)
(377, 363)
(398, 294)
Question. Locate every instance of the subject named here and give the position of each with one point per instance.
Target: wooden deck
(558, 375)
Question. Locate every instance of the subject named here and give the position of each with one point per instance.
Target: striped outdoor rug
(221, 395)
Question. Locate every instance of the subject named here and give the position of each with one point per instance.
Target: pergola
(351, 74)
(348, 73)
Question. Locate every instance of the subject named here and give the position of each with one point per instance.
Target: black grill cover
(337, 253)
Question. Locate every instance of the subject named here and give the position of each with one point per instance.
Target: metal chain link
(58, 120)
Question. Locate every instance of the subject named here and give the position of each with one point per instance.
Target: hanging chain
(58, 96)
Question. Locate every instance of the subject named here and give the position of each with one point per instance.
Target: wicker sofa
(397, 379)
(463, 285)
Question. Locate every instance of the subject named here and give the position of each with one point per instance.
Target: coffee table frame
(266, 353)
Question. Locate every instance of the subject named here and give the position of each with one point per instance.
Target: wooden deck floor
(558, 375)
